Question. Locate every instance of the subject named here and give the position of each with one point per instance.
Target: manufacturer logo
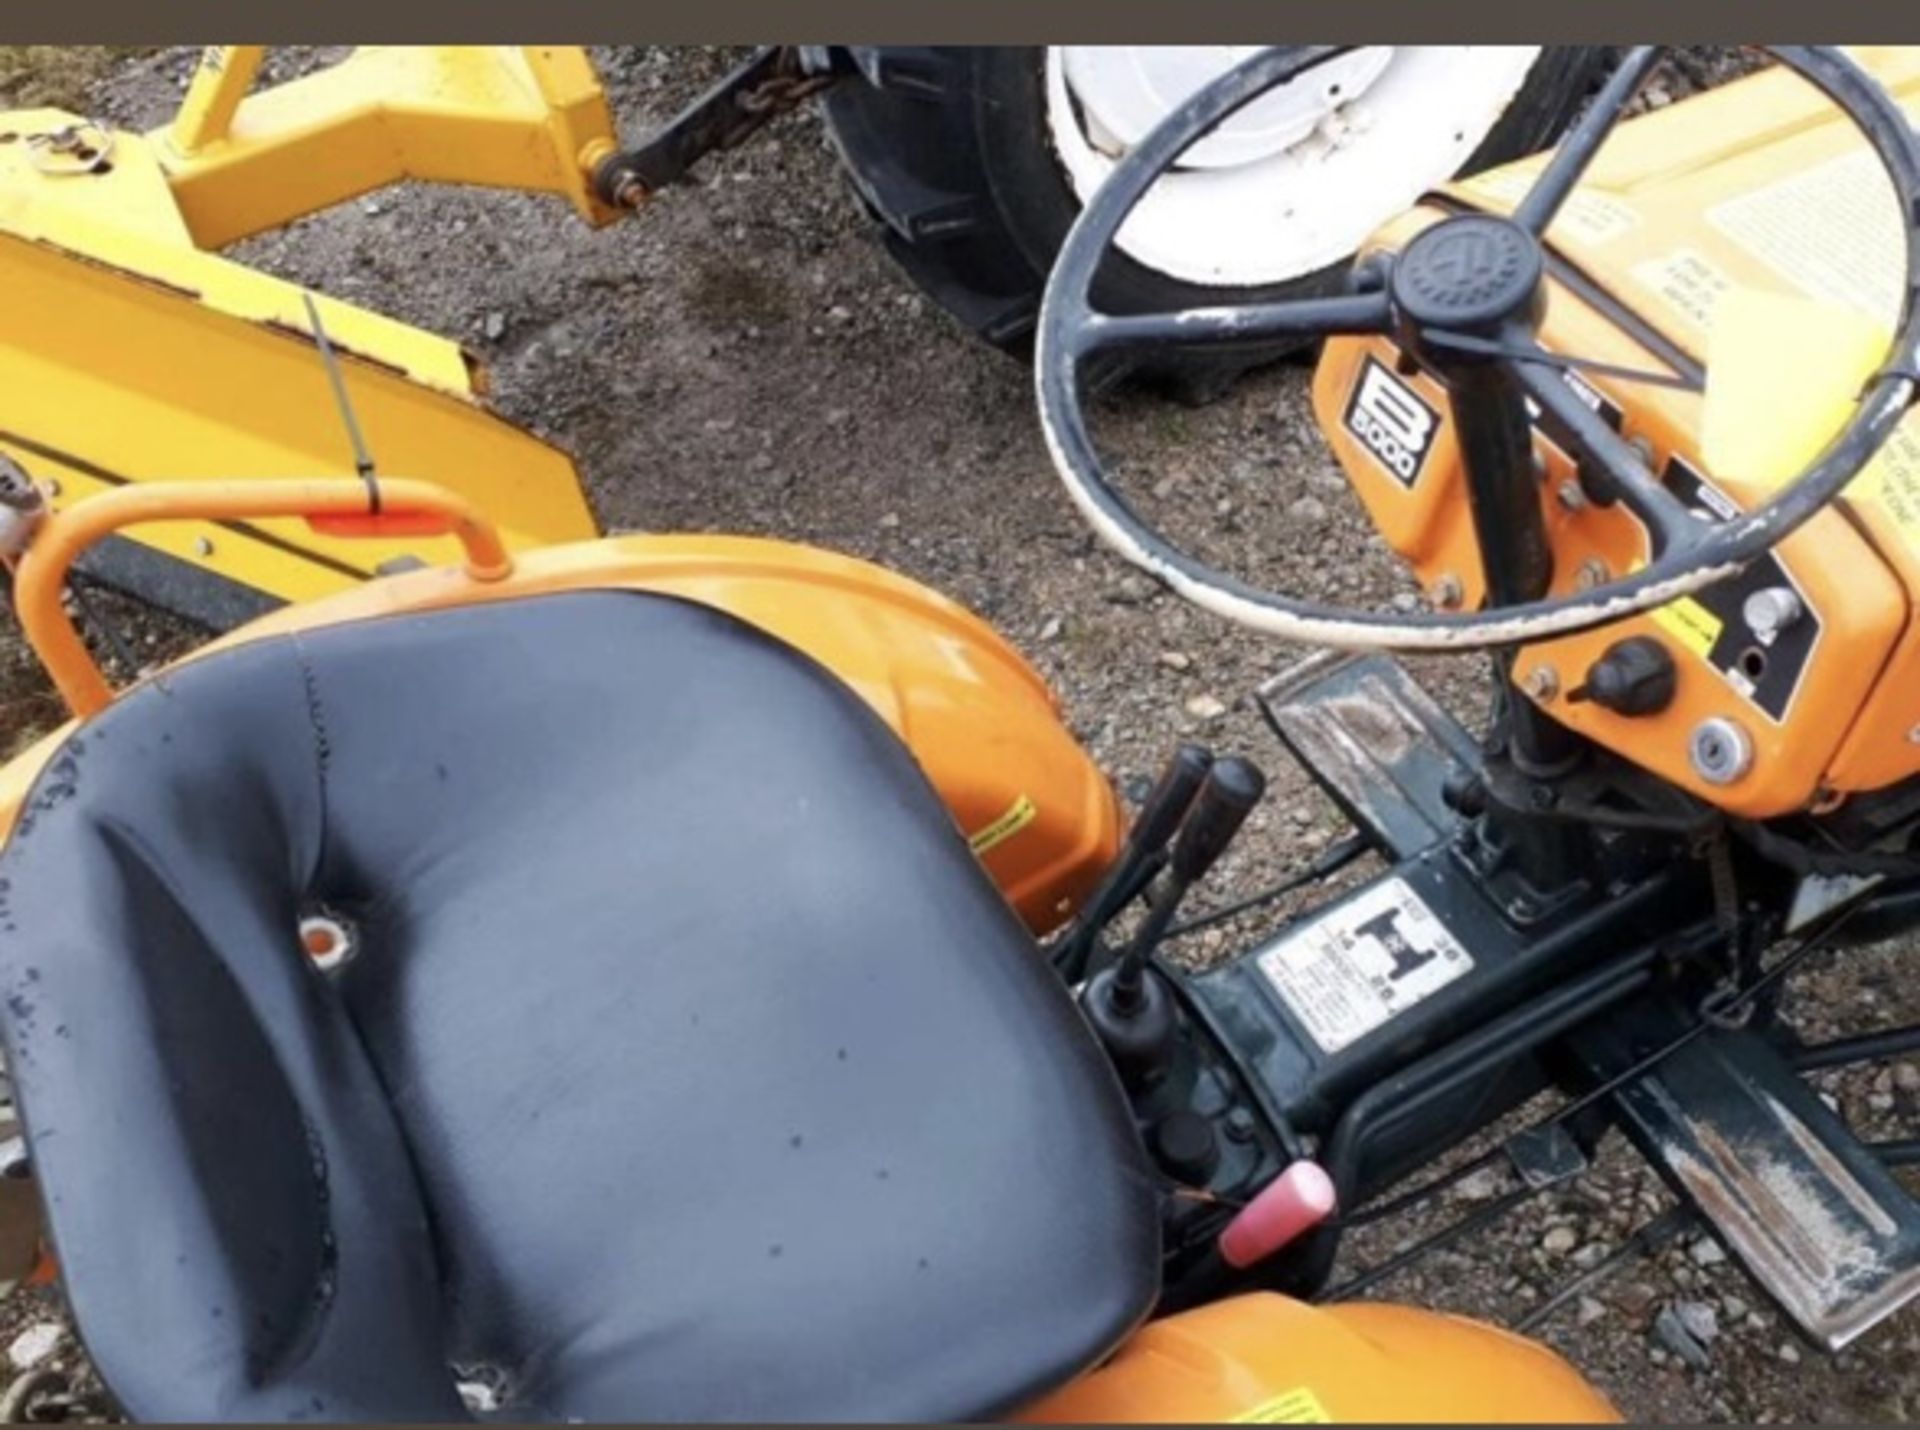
(1392, 421)
(1471, 263)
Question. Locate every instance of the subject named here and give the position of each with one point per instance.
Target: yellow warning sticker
(1690, 623)
(1834, 231)
(1892, 481)
(1687, 282)
(1019, 815)
(1299, 1406)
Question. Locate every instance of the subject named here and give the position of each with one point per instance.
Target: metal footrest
(1816, 1218)
(1376, 742)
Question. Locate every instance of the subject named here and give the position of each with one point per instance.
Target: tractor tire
(954, 150)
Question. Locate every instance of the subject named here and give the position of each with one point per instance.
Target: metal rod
(1565, 362)
(1440, 1240)
(1898, 1152)
(1503, 492)
(1865, 1048)
(1244, 323)
(1335, 858)
(1650, 1237)
(362, 455)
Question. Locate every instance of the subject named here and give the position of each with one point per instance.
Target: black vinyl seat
(685, 1064)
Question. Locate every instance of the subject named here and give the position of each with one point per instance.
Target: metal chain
(781, 93)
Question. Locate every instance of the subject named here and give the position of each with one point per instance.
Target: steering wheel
(1465, 296)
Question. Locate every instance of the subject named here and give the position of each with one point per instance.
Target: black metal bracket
(775, 80)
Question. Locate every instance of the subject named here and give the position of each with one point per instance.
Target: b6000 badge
(1392, 421)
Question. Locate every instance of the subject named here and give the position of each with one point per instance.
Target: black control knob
(1635, 676)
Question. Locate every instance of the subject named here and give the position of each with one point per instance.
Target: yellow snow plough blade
(127, 354)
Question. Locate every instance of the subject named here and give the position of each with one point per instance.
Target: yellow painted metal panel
(465, 114)
(125, 359)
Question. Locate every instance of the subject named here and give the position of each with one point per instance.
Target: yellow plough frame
(130, 352)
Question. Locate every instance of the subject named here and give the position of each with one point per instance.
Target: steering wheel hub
(1471, 273)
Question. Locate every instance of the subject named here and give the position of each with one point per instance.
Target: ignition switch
(1720, 750)
(1632, 677)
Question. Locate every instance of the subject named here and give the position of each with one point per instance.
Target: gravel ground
(744, 358)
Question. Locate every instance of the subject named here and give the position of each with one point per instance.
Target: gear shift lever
(1166, 805)
(1130, 1010)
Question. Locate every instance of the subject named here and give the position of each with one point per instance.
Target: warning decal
(1766, 667)
(1892, 480)
(1299, 1406)
(1018, 816)
(1363, 963)
(1687, 283)
(1833, 231)
(1692, 624)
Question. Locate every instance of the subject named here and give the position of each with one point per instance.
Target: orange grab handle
(333, 505)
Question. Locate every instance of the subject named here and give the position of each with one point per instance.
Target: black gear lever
(1227, 796)
(1131, 1012)
(1140, 858)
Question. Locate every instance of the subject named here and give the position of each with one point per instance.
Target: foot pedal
(1376, 742)
(1818, 1220)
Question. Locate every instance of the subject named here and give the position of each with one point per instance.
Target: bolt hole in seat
(685, 1063)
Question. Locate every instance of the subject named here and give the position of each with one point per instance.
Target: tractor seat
(682, 1062)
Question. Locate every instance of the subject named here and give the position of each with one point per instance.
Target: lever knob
(1232, 788)
(1633, 677)
(1294, 1202)
(1166, 803)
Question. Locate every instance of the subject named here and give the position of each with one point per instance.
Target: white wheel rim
(1296, 181)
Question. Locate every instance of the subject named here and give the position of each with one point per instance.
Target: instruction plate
(1833, 231)
(1363, 963)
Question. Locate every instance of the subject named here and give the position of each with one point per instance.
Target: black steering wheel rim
(1070, 329)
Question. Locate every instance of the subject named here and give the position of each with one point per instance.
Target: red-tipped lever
(1293, 1203)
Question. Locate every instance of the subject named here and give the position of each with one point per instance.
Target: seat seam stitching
(323, 746)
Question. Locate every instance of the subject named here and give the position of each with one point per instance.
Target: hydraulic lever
(1231, 789)
(1141, 857)
(1130, 1010)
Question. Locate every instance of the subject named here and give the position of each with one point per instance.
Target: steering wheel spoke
(1535, 212)
(1228, 325)
(1608, 459)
